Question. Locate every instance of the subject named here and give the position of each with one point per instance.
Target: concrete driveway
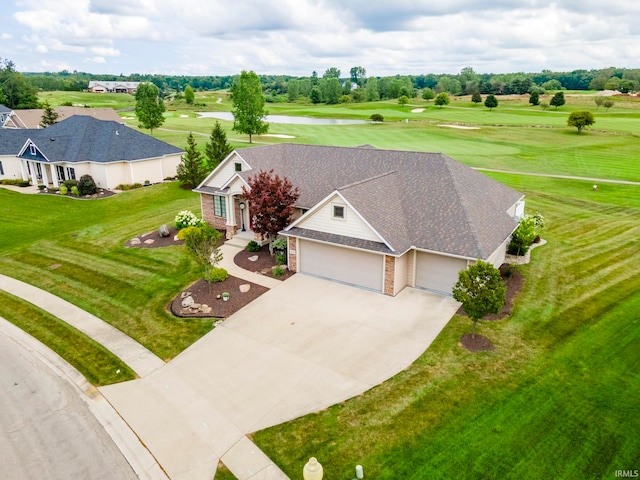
(301, 347)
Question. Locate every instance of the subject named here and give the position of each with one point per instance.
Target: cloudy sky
(223, 37)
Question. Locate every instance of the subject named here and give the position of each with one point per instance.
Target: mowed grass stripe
(97, 364)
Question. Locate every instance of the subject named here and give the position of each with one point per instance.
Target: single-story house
(31, 118)
(110, 152)
(378, 219)
(101, 86)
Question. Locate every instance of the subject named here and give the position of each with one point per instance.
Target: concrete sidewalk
(141, 360)
(229, 251)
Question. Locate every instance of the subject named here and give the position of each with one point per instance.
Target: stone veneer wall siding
(293, 254)
(389, 274)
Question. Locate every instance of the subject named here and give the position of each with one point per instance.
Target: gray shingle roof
(84, 138)
(412, 199)
(12, 140)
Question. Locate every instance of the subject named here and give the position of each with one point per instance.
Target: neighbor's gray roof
(87, 139)
(12, 140)
(412, 199)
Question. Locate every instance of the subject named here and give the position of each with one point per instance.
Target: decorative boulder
(163, 231)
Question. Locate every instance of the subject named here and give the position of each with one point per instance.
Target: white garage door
(437, 272)
(354, 267)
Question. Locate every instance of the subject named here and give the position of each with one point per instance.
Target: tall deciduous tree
(218, 147)
(428, 94)
(189, 95)
(248, 105)
(373, 95)
(332, 72)
(534, 98)
(476, 98)
(557, 100)
(481, 291)
(358, 75)
(191, 169)
(149, 106)
(49, 116)
(580, 119)
(491, 101)
(15, 92)
(271, 202)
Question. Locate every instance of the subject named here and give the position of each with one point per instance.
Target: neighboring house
(99, 86)
(111, 153)
(9, 119)
(378, 219)
(31, 118)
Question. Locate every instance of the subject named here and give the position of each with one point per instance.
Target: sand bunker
(277, 135)
(417, 110)
(184, 116)
(461, 127)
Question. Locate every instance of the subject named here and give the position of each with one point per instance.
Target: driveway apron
(302, 346)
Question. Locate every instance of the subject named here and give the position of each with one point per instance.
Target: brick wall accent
(389, 274)
(293, 254)
(206, 204)
(231, 231)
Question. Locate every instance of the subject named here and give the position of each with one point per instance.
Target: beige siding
(227, 170)
(497, 258)
(235, 187)
(170, 165)
(402, 267)
(411, 268)
(146, 170)
(351, 226)
(105, 176)
(11, 167)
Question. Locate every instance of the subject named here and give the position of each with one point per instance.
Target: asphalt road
(46, 430)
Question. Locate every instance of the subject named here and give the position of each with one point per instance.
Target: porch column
(34, 173)
(54, 175)
(45, 177)
(232, 228)
(23, 170)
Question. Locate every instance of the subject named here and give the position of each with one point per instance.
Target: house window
(71, 173)
(219, 206)
(60, 173)
(339, 212)
(32, 149)
(238, 167)
(1, 169)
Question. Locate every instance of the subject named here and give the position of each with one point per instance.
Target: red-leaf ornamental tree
(271, 203)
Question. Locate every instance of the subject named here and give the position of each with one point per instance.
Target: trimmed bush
(278, 272)
(86, 185)
(70, 183)
(63, 189)
(253, 246)
(376, 117)
(218, 275)
(279, 244)
(281, 258)
(75, 191)
(17, 183)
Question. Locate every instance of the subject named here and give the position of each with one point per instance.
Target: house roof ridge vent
(365, 180)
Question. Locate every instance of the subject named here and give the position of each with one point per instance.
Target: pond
(288, 119)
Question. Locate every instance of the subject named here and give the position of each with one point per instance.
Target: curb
(139, 458)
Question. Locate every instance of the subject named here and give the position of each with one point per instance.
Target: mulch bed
(101, 194)
(514, 281)
(262, 265)
(158, 241)
(479, 343)
(206, 293)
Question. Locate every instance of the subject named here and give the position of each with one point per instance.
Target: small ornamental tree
(376, 118)
(580, 119)
(442, 99)
(476, 98)
(608, 103)
(202, 243)
(218, 147)
(271, 202)
(191, 169)
(403, 100)
(427, 94)
(481, 291)
(599, 101)
(491, 102)
(558, 100)
(528, 229)
(49, 116)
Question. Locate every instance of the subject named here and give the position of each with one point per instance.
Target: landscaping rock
(253, 258)
(163, 231)
(149, 241)
(244, 288)
(187, 302)
(175, 238)
(185, 294)
(135, 241)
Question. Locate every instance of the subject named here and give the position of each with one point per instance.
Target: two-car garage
(364, 269)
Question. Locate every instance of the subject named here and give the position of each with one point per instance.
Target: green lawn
(98, 365)
(558, 397)
(74, 249)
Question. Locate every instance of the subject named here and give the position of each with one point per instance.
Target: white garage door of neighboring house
(437, 272)
(354, 267)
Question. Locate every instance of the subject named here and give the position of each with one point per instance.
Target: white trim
(230, 181)
(220, 166)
